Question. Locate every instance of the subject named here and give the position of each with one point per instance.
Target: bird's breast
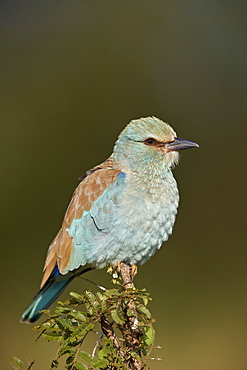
(144, 218)
(128, 222)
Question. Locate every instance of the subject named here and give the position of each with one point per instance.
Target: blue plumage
(122, 211)
(48, 294)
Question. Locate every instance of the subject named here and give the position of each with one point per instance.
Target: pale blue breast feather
(127, 223)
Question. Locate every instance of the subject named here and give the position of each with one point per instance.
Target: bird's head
(149, 143)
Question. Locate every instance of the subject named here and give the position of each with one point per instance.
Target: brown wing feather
(93, 185)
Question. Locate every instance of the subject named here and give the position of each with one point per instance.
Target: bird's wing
(82, 209)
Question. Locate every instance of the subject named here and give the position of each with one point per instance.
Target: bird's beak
(180, 144)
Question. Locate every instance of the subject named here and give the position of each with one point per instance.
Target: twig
(132, 333)
(129, 346)
(97, 343)
(109, 333)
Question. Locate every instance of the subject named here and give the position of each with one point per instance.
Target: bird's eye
(150, 141)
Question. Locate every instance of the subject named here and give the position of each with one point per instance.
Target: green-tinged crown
(142, 128)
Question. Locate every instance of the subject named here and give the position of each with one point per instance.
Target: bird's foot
(125, 271)
(134, 270)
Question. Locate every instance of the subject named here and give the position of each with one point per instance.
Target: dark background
(73, 74)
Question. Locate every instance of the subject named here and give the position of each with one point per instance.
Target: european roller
(121, 211)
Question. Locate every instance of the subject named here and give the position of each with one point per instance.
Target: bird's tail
(46, 296)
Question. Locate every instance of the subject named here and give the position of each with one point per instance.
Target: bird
(122, 210)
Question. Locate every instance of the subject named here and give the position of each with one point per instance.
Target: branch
(127, 327)
(109, 333)
(131, 332)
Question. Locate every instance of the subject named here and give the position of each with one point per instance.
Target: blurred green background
(73, 74)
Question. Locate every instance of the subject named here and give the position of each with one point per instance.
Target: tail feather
(44, 298)
(48, 294)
